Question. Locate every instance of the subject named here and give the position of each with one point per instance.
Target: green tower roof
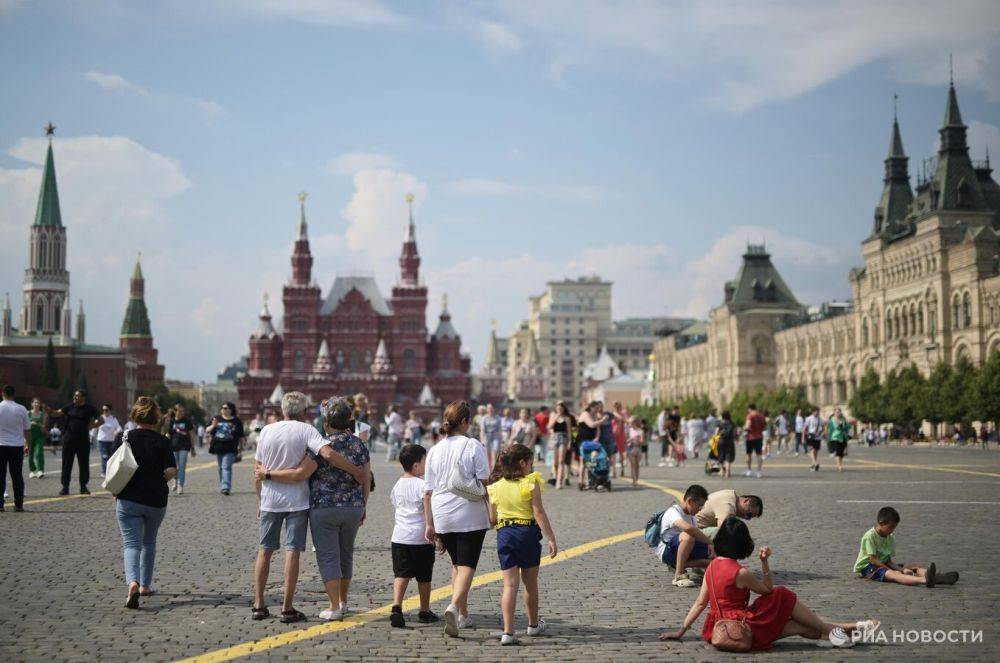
(47, 212)
(136, 322)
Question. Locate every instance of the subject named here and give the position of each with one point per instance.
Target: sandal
(132, 603)
(258, 614)
(151, 592)
(292, 616)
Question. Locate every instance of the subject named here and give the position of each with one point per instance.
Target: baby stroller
(595, 459)
(712, 464)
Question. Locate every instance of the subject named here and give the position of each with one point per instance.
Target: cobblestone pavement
(62, 587)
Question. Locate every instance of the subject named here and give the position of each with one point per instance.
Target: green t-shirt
(837, 430)
(883, 547)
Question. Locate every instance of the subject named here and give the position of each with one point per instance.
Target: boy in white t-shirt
(682, 545)
(412, 555)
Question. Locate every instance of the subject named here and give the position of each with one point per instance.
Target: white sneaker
(331, 615)
(343, 610)
(748, 473)
(661, 464)
(758, 474)
(451, 620)
(180, 490)
(31, 475)
(683, 581)
(838, 638)
(465, 622)
(508, 639)
(538, 630)
(796, 453)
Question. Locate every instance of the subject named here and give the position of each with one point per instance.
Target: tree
(867, 403)
(961, 393)
(905, 399)
(789, 399)
(50, 371)
(696, 406)
(987, 391)
(166, 399)
(936, 408)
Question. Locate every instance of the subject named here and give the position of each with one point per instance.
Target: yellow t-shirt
(513, 498)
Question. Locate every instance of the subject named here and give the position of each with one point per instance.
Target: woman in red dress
(776, 613)
(619, 422)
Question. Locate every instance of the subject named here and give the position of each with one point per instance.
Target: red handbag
(730, 635)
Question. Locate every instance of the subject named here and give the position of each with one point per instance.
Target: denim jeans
(226, 470)
(105, 449)
(139, 524)
(181, 459)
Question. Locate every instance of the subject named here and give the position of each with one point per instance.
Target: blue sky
(646, 142)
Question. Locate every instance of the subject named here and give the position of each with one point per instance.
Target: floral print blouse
(329, 486)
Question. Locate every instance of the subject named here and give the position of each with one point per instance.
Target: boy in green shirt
(875, 557)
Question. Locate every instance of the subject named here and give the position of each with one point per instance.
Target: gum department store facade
(929, 292)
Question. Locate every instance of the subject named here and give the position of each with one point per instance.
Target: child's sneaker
(428, 617)
(949, 578)
(508, 639)
(396, 618)
(683, 581)
(931, 578)
(540, 628)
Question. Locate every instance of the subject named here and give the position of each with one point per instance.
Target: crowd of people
(314, 474)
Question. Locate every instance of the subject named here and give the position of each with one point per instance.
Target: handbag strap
(718, 606)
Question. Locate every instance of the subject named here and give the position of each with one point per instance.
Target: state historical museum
(354, 340)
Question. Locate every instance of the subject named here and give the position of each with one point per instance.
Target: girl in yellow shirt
(516, 510)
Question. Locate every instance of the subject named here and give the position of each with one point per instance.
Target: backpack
(653, 525)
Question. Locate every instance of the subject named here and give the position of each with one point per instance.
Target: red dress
(618, 429)
(766, 616)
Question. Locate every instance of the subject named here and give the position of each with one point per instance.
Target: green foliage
(50, 370)
(937, 408)
(961, 393)
(166, 399)
(696, 406)
(867, 403)
(987, 390)
(905, 398)
(647, 413)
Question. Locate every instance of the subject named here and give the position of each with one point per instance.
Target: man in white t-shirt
(395, 427)
(281, 479)
(812, 430)
(682, 545)
(15, 437)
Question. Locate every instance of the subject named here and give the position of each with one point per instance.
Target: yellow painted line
(928, 467)
(101, 492)
(439, 594)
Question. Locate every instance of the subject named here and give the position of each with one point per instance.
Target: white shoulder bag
(121, 468)
(470, 488)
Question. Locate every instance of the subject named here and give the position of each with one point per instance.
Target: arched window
(354, 360)
(368, 358)
(57, 315)
(920, 321)
(409, 360)
(967, 311)
(864, 332)
(906, 326)
(40, 316)
(956, 310)
(340, 358)
(43, 253)
(300, 360)
(913, 320)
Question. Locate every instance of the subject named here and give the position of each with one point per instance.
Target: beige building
(929, 291)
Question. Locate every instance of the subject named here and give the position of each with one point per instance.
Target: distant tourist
(395, 428)
(107, 432)
(227, 435)
(36, 453)
(15, 441)
(142, 504)
(755, 426)
(838, 432)
(80, 417)
(727, 444)
(561, 424)
(182, 436)
(813, 432)
(492, 433)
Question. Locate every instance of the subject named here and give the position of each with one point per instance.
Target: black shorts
(755, 447)
(727, 452)
(464, 548)
(413, 561)
(812, 442)
(839, 448)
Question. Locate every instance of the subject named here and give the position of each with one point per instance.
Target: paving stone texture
(62, 587)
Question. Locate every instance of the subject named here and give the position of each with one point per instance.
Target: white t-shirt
(814, 425)
(407, 499)
(799, 423)
(781, 424)
(106, 432)
(281, 446)
(668, 526)
(13, 422)
(394, 424)
(451, 512)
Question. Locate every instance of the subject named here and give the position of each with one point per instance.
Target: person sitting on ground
(724, 503)
(412, 555)
(682, 545)
(776, 613)
(878, 545)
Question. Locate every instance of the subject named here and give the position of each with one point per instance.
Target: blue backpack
(652, 534)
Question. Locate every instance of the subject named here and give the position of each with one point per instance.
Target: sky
(646, 142)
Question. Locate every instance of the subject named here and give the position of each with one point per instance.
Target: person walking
(781, 432)
(80, 417)
(561, 424)
(227, 440)
(15, 441)
(754, 426)
(459, 523)
(813, 432)
(182, 437)
(36, 450)
(800, 424)
(337, 503)
(523, 431)
(506, 424)
(838, 433)
(619, 429)
(142, 503)
(727, 444)
(491, 433)
(107, 432)
(661, 432)
(395, 429)
(587, 430)
(542, 438)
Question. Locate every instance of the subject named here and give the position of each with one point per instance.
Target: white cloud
(498, 38)
(483, 187)
(111, 82)
(377, 211)
(353, 162)
(752, 53)
(329, 13)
